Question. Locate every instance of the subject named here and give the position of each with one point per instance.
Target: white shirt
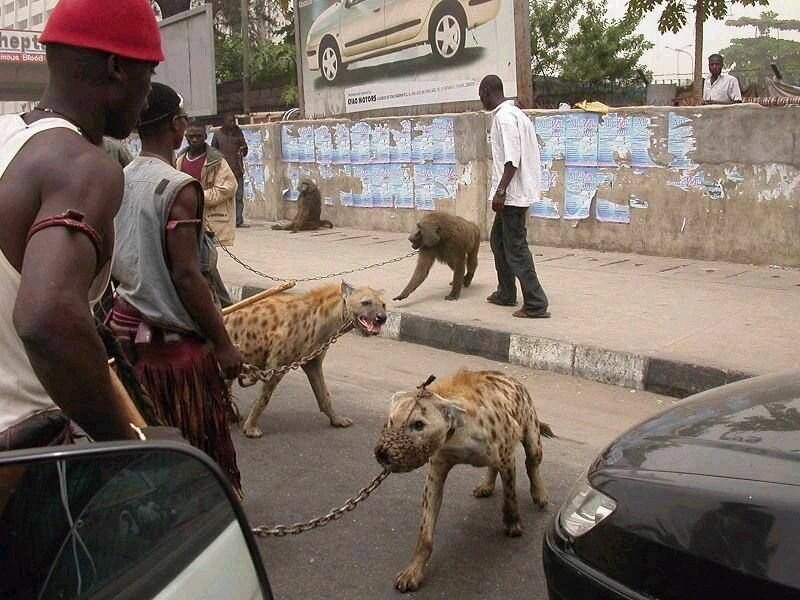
(514, 140)
(725, 90)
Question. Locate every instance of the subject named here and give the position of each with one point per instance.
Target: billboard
(359, 55)
(23, 67)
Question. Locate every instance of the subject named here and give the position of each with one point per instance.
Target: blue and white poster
(402, 185)
(323, 143)
(612, 140)
(379, 144)
(444, 140)
(639, 139)
(290, 149)
(545, 207)
(421, 143)
(381, 186)
(680, 141)
(424, 182)
(341, 144)
(445, 180)
(552, 143)
(400, 148)
(360, 149)
(580, 188)
(581, 140)
(305, 144)
(345, 195)
(363, 173)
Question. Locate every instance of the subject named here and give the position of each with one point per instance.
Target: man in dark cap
(164, 312)
(59, 193)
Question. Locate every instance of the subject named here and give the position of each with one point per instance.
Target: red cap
(123, 27)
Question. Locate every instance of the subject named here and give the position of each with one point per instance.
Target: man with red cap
(59, 193)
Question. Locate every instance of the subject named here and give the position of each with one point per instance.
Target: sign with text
(20, 47)
(359, 55)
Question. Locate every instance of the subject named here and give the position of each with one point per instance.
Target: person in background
(516, 183)
(720, 88)
(59, 193)
(209, 167)
(229, 140)
(117, 151)
(164, 312)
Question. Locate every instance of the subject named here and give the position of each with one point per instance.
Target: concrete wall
(722, 183)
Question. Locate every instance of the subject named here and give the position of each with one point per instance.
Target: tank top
(21, 392)
(140, 265)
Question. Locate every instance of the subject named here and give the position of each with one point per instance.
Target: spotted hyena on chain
(475, 418)
(282, 329)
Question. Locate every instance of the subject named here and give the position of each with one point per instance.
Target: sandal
(495, 299)
(531, 314)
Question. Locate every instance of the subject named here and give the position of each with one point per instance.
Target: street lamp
(678, 56)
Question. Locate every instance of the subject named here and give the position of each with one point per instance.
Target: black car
(700, 501)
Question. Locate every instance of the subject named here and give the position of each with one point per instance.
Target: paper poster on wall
(612, 140)
(381, 186)
(360, 149)
(402, 185)
(680, 141)
(424, 181)
(290, 151)
(292, 193)
(255, 150)
(400, 148)
(323, 144)
(305, 144)
(379, 143)
(341, 144)
(345, 195)
(552, 143)
(444, 140)
(359, 55)
(421, 142)
(581, 140)
(580, 187)
(445, 180)
(363, 173)
(639, 140)
(326, 173)
(254, 181)
(545, 207)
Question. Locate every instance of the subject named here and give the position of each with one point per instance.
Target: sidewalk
(674, 326)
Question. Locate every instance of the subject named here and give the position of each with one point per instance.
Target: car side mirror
(123, 520)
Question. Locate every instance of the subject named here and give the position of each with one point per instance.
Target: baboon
(309, 209)
(450, 240)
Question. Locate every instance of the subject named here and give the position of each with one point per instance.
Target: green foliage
(765, 23)
(550, 21)
(752, 57)
(271, 61)
(675, 13)
(604, 49)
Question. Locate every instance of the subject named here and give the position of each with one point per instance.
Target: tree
(603, 49)
(754, 55)
(674, 17)
(550, 21)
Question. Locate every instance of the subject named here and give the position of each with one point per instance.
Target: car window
(134, 522)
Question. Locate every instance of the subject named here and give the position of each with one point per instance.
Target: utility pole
(245, 57)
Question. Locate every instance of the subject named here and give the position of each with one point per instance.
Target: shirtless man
(59, 193)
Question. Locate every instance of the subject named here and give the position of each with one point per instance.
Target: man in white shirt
(720, 88)
(516, 184)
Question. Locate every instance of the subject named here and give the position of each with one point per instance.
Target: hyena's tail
(544, 429)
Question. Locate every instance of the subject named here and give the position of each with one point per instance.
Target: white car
(353, 30)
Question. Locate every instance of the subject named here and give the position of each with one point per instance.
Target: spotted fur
(282, 329)
(472, 417)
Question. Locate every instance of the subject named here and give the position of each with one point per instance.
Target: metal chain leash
(317, 277)
(333, 515)
(252, 375)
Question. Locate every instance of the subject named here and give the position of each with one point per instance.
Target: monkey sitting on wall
(309, 209)
(450, 240)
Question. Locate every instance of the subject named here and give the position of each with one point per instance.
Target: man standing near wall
(516, 184)
(209, 167)
(230, 141)
(720, 88)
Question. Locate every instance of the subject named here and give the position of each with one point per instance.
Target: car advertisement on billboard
(359, 55)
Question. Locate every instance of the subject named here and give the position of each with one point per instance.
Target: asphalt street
(303, 467)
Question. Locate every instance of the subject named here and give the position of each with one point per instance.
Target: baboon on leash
(450, 240)
(309, 209)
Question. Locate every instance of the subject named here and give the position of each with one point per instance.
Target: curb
(659, 375)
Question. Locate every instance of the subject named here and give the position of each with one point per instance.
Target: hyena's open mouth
(368, 327)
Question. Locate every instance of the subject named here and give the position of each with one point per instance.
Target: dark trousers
(513, 259)
(240, 201)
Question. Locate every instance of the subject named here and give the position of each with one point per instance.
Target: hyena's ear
(347, 289)
(452, 412)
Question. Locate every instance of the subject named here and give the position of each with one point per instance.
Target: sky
(664, 61)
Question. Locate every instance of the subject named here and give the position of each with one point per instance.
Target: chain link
(333, 515)
(252, 375)
(316, 277)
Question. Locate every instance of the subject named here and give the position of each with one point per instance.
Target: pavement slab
(615, 315)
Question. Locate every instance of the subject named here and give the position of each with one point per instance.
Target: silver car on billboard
(353, 30)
